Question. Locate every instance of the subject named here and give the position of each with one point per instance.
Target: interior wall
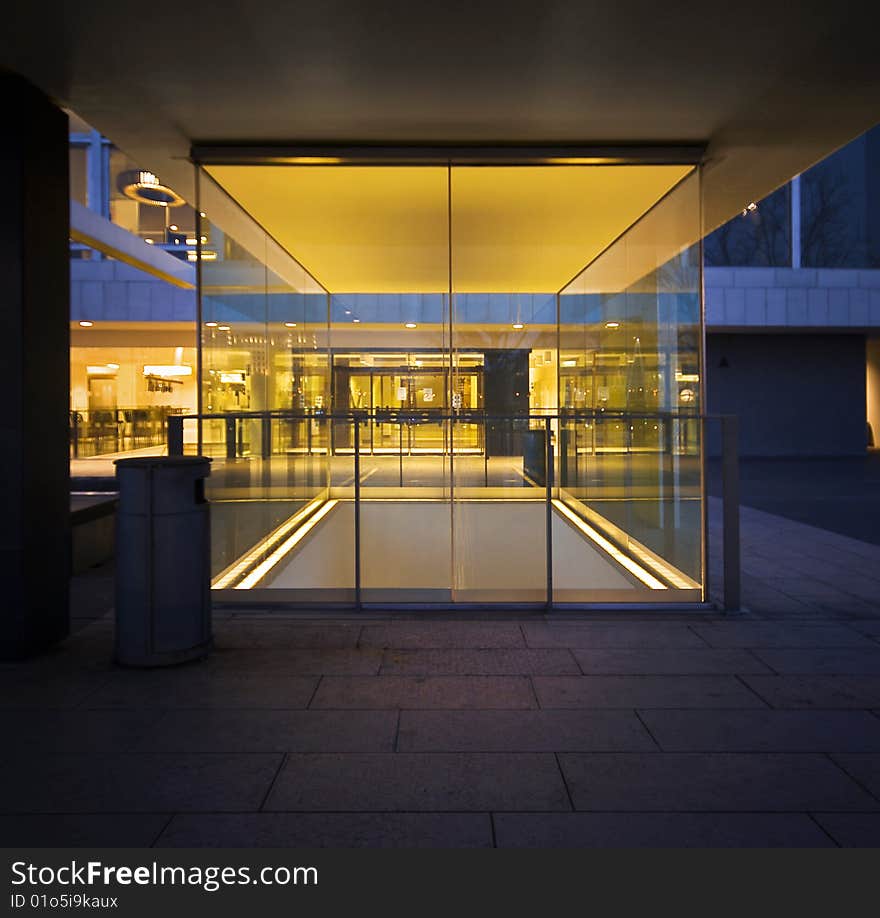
(795, 395)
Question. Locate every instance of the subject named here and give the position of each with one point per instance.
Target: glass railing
(572, 508)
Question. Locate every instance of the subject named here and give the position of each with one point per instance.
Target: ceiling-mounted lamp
(410, 325)
(145, 188)
(612, 324)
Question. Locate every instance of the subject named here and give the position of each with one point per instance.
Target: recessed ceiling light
(290, 324)
(356, 321)
(223, 327)
(86, 324)
(202, 213)
(112, 366)
(410, 325)
(173, 227)
(517, 325)
(211, 324)
(148, 241)
(612, 325)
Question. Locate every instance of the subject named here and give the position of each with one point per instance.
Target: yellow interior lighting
(386, 229)
(610, 549)
(284, 549)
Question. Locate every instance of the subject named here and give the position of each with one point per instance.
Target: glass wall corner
(631, 384)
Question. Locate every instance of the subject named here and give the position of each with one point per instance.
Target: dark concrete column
(35, 348)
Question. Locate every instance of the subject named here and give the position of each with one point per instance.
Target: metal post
(400, 461)
(730, 500)
(548, 485)
(357, 515)
(266, 436)
(230, 438)
(175, 434)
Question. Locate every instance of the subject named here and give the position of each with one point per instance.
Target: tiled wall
(792, 298)
(113, 291)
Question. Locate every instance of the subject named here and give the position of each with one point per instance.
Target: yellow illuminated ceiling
(385, 229)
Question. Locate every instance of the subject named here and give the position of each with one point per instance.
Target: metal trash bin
(163, 560)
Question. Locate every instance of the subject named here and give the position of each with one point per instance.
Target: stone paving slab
(770, 782)
(64, 730)
(41, 690)
(833, 662)
(272, 634)
(272, 731)
(136, 783)
(431, 782)
(440, 635)
(424, 692)
(817, 691)
(864, 768)
(658, 830)
(644, 692)
(852, 830)
(350, 661)
(523, 731)
(329, 830)
(772, 634)
(764, 731)
(80, 830)
(194, 687)
(870, 628)
(683, 662)
(649, 635)
(499, 662)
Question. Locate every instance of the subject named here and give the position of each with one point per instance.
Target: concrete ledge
(93, 529)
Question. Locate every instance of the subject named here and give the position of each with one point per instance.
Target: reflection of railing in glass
(101, 432)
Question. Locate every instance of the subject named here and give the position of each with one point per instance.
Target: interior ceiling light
(173, 226)
(410, 325)
(211, 324)
(145, 188)
(223, 327)
(749, 208)
(518, 325)
(148, 241)
(356, 321)
(290, 324)
(86, 324)
(112, 366)
(612, 325)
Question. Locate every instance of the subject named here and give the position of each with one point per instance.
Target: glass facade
(432, 410)
(827, 218)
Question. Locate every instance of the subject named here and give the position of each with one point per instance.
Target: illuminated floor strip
(609, 548)
(260, 571)
(231, 574)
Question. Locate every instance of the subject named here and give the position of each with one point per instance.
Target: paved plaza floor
(755, 728)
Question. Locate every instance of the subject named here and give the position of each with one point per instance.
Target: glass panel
(759, 237)
(390, 368)
(840, 226)
(630, 510)
(265, 387)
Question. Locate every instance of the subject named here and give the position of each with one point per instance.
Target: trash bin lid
(147, 462)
